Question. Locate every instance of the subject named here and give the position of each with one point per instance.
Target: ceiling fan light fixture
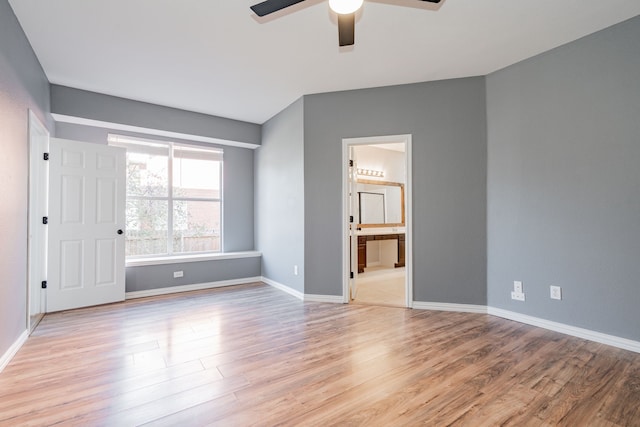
(345, 7)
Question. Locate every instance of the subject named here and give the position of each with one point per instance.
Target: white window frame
(125, 142)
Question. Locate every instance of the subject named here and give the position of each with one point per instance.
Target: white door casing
(38, 204)
(347, 144)
(352, 185)
(86, 222)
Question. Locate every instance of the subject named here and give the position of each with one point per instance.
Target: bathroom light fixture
(345, 7)
(371, 172)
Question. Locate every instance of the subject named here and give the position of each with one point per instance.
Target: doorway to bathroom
(377, 220)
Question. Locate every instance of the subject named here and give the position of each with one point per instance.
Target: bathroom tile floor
(381, 286)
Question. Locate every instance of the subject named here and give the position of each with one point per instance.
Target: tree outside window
(181, 218)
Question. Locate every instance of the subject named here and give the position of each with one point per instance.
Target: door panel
(106, 199)
(73, 159)
(72, 203)
(106, 252)
(105, 162)
(87, 202)
(71, 262)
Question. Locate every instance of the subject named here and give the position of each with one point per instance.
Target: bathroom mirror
(380, 203)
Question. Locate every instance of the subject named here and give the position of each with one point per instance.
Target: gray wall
(448, 122)
(237, 214)
(161, 276)
(23, 86)
(564, 182)
(95, 106)
(279, 195)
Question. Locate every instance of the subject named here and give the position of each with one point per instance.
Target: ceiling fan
(346, 10)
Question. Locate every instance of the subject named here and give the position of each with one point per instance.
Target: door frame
(346, 243)
(37, 208)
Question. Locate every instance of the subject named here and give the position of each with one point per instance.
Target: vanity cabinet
(362, 248)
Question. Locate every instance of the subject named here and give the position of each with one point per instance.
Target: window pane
(196, 226)
(148, 174)
(195, 174)
(146, 227)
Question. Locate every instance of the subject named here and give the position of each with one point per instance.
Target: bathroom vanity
(367, 236)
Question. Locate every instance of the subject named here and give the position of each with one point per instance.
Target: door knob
(120, 231)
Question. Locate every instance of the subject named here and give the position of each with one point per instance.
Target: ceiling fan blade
(346, 29)
(432, 1)
(270, 6)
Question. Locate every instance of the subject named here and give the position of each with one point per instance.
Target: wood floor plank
(252, 355)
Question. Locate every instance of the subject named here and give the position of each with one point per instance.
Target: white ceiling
(217, 57)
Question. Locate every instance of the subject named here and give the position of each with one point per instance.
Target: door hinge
(44, 284)
(45, 220)
(351, 275)
(351, 218)
(46, 156)
(350, 163)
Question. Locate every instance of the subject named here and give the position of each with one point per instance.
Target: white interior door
(353, 222)
(86, 225)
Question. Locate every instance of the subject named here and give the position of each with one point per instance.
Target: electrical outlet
(517, 287)
(555, 292)
(518, 296)
(295, 270)
(177, 274)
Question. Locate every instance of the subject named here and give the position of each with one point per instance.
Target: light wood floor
(252, 355)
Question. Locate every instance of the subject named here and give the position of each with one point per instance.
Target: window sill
(140, 262)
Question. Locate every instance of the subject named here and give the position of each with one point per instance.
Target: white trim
(346, 264)
(333, 299)
(149, 131)
(8, 355)
(283, 288)
(587, 334)
(139, 262)
(408, 218)
(188, 288)
(443, 306)
(38, 195)
(574, 331)
(346, 238)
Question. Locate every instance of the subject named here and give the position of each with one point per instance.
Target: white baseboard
(587, 334)
(8, 355)
(303, 297)
(333, 299)
(283, 288)
(187, 288)
(574, 331)
(442, 306)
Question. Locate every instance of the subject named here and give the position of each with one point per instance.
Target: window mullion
(220, 199)
(170, 202)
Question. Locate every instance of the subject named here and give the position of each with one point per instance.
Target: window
(174, 199)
